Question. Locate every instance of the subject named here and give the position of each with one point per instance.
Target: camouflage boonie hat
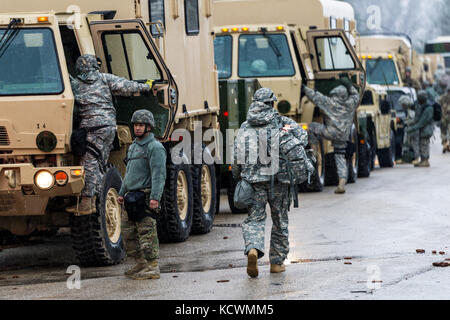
(405, 101)
(264, 95)
(341, 92)
(143, 116)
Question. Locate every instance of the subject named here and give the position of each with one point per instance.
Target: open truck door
(333, 54)
(126, 50)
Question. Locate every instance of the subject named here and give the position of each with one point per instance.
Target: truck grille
(7, 202)
(4, 139)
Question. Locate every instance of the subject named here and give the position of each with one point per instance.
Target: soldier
(444, 101)
(430, 90)
(145, 175)
(424, 126)
(410, 141)
(262, 115)
(441, 85)
(410, 82)
(440, 71)
(93, 92)
(339, 111)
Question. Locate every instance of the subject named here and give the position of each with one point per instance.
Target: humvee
(166, 41)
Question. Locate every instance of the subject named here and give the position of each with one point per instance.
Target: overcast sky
(422, 20)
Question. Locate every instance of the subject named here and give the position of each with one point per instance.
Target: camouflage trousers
(411, 140)
(253, 227)
(445, 122)
(424, 148)
(141, 238)
(103, 139)
(317, 131)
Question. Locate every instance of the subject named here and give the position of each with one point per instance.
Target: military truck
(167, 41)
(284, 44)
(385, 58)
(437, 52)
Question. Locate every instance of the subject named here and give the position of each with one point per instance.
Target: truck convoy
(284, 44)
(385, 58)
(167, 41)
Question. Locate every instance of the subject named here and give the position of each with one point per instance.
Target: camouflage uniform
(93, 92)
(444, 101)
(410, 82)
(423, 125)
(262, 116)
(410, 140)
(146, 171)
(339, 111)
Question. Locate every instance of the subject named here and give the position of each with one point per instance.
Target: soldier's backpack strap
(126, 160)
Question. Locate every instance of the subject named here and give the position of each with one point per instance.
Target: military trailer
(385, 58)
(166, 41)
(284, 44)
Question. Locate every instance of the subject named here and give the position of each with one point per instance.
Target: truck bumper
(20, 196)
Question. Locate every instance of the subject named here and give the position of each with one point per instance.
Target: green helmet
(143, 116)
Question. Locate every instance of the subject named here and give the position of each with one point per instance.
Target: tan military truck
(284, 44)
(385, 58)
(167, 41)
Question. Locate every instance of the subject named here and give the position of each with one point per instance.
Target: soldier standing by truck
(409, 82)
(141, 190)
(93, 93)
(339, 111)
(411, 140)
(444, 101)
(423, 124)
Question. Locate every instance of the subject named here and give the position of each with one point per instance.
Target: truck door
(126, 50)
(332, 54)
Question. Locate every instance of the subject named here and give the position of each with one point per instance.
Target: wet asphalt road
(361, 245)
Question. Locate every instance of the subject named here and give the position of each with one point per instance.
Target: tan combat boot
(73, 209)
(252, 263)
(341, 187)
(141, 263)
(399, 161)
(423, 164)
(415, 162)
(150, 271)
(277, 268)
(83, 208)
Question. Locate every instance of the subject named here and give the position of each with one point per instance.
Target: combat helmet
(143, 116)
(264, 95)
(422, 96)
(406, 101)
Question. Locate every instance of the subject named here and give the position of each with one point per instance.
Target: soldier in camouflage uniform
(93, 92)
(410, 82)
(424, 126)
(411, 140)
(338, 111)
(146, 171)
(444, 101)
(261, 117)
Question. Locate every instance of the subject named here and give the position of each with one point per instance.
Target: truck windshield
(265, 55)
(381, 71)
(223, 55)
(28, 63)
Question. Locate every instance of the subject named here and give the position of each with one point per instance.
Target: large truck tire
(176, 215)
(331, 175)
(352, 162)
(317, 181)
(365, 158)
(205, 198)
(97, 238)
(386, 156)
(230, 193)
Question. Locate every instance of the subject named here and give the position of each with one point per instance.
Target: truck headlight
(44, 180)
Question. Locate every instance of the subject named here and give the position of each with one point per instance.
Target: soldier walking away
(424, 126)
(410, 82)
(441, 85)
(262, 115)
(444, 101)
(339, 111)
(141, 191)
(410, 146)
(93, 92)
